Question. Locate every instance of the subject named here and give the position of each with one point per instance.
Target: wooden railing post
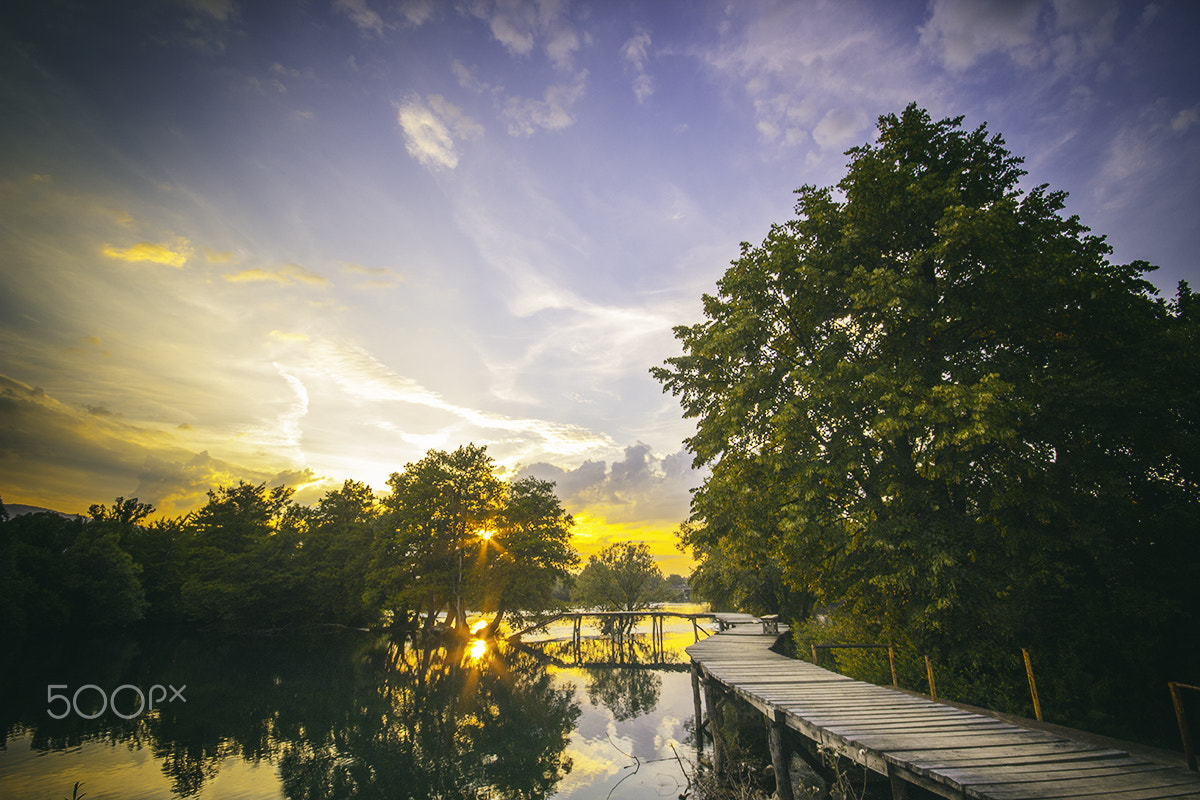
(1037, 704)
(892, 661)
(929, 672)
(1189, 750)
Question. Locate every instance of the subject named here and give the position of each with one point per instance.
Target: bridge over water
(912, 740)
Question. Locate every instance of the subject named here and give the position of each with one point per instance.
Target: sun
(478, 649)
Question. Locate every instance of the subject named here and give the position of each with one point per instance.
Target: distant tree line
(936, 415)
(450, 536)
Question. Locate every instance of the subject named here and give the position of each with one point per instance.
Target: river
(346, 715)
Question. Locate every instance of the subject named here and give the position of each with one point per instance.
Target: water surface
(348, 715)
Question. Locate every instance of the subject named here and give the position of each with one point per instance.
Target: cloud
(375, 277)
(641, 497)
(1065, 33)
(429, 127)
(367, 20)
(417, 12)
(518, 24)
(53, 455)
(794, 66)
(561, 45)
(466, 77)
(59, 457)
(634, 53)
(179, 486)
(963, 31)
(641, 487)
(367, 381)
(287, 275)
(1185, 119)
(839, 127)
(153, 253)
(217, 256)
(553, 112)
(217, 9)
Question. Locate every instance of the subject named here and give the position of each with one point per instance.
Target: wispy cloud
(519, 24)
(430, 126)
(554, 111)
(365, 379)
(217, 9)
(362, 15)
(794, 67)
(175, 255)
(217, 256)
(287, 275)
(634, 54)
(374, 277)
(1031, 33)
(417, 12)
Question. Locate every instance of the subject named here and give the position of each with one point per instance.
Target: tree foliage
(938, 407)
(621, 577)
(451, 536)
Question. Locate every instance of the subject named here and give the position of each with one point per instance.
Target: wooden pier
(656, 615)
(909, 739)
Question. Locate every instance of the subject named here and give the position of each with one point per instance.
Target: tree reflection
(340, 717)
(627, 692)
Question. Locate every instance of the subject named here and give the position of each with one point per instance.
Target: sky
(298, 243)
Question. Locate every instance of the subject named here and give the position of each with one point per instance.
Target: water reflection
(338, 717)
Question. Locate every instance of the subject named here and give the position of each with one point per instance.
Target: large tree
(528, 553)
(453, 535)
(621, 577)
(439, 508)
(932, 399)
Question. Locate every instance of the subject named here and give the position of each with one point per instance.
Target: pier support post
(712, 699)
(696, 705)
(898, 784)
(780, 755)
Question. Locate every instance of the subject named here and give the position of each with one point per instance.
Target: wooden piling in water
(780, 755)
(712, 699)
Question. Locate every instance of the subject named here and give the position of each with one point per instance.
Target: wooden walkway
(914, 740)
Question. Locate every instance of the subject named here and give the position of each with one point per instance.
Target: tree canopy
(451, 536)
(935, 404)
(621, 577)
(453, 533)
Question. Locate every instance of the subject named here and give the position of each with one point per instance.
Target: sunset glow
(303, 243)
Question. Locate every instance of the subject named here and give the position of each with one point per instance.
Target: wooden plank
(983, 777)
(1154, 783)
(886, 726)
(1045, 755)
